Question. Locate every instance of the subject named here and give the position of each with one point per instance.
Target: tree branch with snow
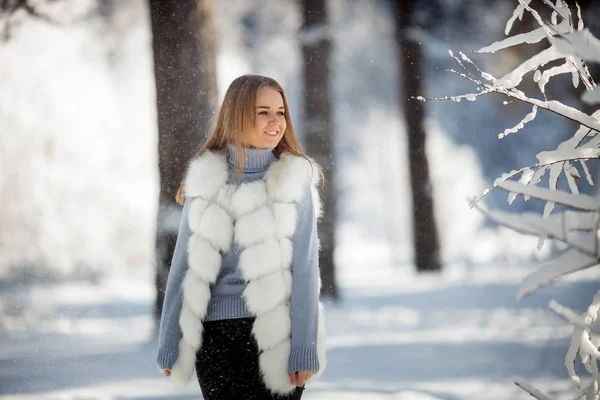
(577, 227)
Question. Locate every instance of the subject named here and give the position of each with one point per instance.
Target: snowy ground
(458, 336)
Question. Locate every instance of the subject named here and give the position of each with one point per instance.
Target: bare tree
(316, 54)
(425, 233)
(184, 45)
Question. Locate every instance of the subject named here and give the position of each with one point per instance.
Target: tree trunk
(410, 62)
(185, 71)
(317, 108)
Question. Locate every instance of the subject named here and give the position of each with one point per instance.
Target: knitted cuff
(304, 359)
(167, 355)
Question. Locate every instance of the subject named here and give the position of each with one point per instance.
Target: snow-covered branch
(534, 36)
(579, 226)
(530, 389)
(583, 342)
(581, 44)
(567, 42)
(567, 228)
(580, 201)
(506, 86)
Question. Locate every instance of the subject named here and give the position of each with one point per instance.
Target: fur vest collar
(261, 217)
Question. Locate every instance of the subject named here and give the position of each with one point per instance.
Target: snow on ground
(461, 335)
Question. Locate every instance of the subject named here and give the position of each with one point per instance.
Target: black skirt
(227, 363)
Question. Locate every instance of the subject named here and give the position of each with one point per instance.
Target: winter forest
(460, 241)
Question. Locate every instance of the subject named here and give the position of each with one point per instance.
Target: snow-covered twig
(553, 106)
(534, 36)
(581, 343)
(558, 108)
(512, 174)
(580, 43)
(452, 71)
(517, 13)
(542, 78)
(526, 225)
(526, 386)
(571, 261)
(528, 118)
(580, 201)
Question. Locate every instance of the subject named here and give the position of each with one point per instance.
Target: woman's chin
(270, 142)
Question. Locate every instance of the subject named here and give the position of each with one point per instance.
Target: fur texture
(265, 216)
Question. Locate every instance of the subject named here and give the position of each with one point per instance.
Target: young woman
(242, 298)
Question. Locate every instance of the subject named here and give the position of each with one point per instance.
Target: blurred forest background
(103, 102)
(82, 111)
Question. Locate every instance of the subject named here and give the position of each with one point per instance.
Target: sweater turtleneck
(255, 160)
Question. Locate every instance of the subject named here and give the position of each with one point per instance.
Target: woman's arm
(305, 289)
(170, 333)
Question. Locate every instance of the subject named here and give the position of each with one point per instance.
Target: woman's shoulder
(302, 169)
(292, 177)
(206, 174)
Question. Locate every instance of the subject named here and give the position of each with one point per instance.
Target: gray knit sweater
(226, 294)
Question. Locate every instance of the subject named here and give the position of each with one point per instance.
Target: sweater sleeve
(305, 290)
(170, 334)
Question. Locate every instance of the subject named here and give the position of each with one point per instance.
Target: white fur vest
(261, 217)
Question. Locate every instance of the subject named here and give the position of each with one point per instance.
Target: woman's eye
(262, 113)
(281, 113)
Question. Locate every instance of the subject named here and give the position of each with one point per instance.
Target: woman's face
(270, 120)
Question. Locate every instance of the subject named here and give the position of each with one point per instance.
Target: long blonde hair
(237, 116)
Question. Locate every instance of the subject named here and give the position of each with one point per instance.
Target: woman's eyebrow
(281, 108)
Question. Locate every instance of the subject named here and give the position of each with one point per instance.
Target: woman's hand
(299, 378)
(167, 372)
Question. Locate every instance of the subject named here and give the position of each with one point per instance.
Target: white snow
(517, 14)
(488, 77)
(568, 262)
(514, 78)
(581, 43)
(562, 110)
(528, 118)
(438, 337)
(534, 36)
(543, 78)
